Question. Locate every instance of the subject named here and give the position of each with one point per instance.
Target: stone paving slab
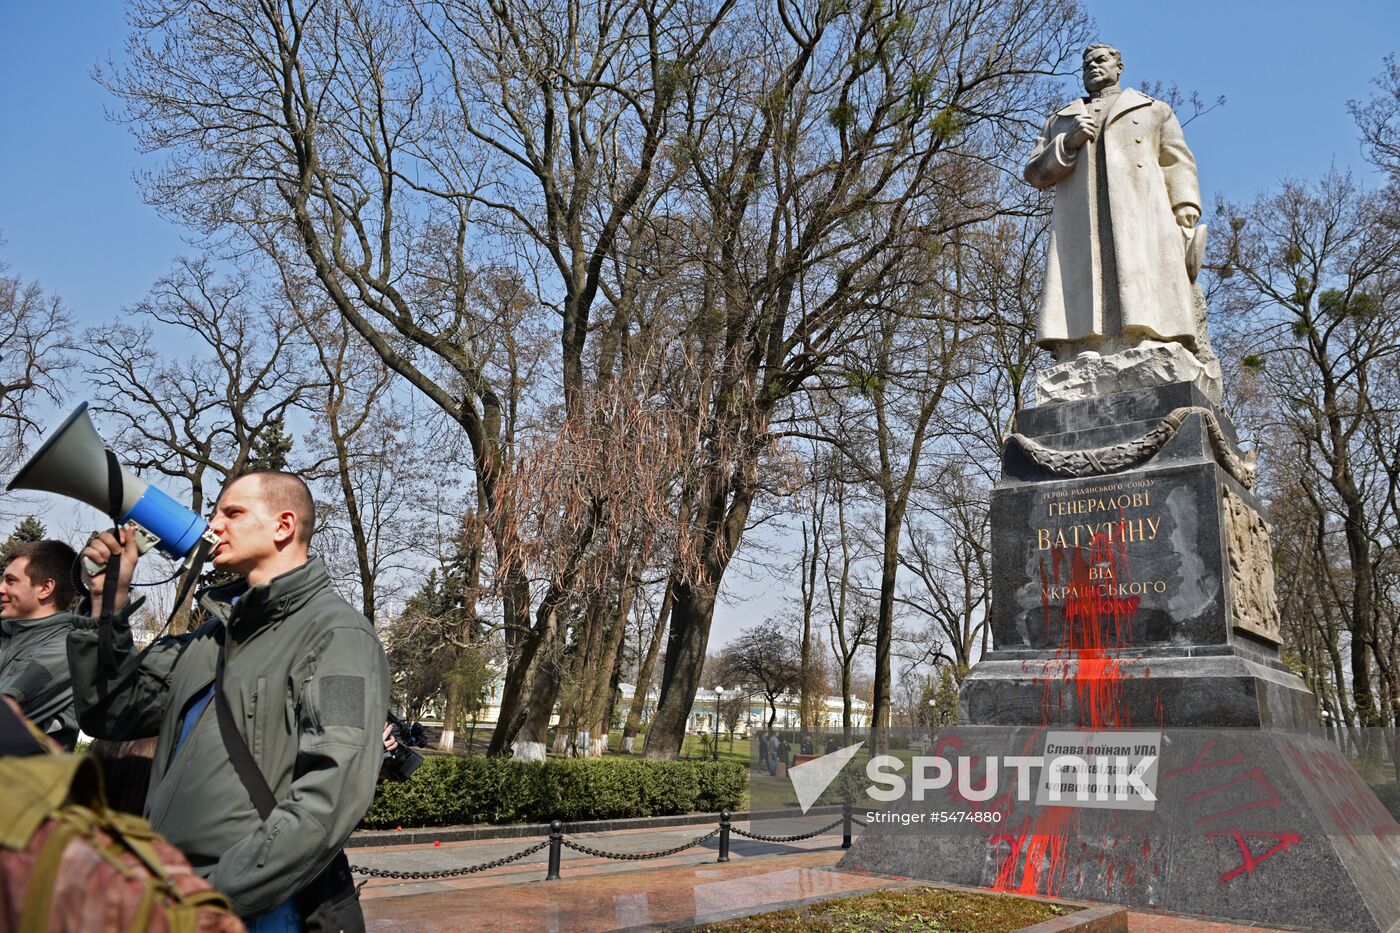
(596, 895)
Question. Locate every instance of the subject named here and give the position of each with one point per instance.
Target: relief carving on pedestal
(1253, 605)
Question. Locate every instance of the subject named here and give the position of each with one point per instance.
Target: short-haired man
(36, 594)
(305, 680)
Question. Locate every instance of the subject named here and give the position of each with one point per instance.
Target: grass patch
(903, 910)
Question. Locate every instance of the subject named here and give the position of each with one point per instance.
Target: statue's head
(1103, 65)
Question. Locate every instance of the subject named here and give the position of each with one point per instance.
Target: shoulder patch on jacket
(342, 700)
(33, 678)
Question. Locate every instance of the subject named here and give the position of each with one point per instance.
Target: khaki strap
(34, 917)
(142, 920)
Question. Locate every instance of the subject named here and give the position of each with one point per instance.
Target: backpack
(70, 863)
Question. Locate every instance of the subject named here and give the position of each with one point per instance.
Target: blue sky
(74, 220)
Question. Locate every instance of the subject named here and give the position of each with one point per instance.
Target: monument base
(1274, 829)
(1155, 688)
(1132, 577)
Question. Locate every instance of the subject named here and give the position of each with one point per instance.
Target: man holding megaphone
(268, 716)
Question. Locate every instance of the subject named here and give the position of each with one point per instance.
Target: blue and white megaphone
(74, 462)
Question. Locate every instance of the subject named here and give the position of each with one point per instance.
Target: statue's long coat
(1117, 255)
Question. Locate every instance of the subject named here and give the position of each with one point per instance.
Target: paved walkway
(595, 894)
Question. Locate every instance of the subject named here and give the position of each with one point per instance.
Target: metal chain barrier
(762, 838)
(449, 872)
(556, 843)
(640, 856)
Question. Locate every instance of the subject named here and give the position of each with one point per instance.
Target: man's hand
(1085, 131)
(1187, 215)
(391, 741)
(99, 550)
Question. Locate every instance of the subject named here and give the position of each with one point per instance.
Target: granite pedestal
(1139, 597)
(1252, 825)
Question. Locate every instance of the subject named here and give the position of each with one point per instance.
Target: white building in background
(756, 712)
(702, 712)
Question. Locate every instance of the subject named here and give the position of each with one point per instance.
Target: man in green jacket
(307, 685)
(36, 594)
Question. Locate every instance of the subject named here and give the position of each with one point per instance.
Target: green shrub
(449, 790)
(722, 788)
(1389, 795)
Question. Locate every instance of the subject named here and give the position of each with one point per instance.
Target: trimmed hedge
(452, 790)
(1389, 795)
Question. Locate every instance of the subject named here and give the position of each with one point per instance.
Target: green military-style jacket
(34, 671)
(306, 680)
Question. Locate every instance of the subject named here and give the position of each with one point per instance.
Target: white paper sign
(1111, 770)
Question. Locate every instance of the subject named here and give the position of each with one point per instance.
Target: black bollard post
(845, 825)
(556, 849)
(723, 836)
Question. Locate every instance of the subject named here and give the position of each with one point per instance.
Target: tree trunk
(691, 618)
(807, 704)
(848, 722)
(608, 706)
(639, 698)
(884, 632)
(1363, 628)
(604, 673)
(540, 643)
(449, 714)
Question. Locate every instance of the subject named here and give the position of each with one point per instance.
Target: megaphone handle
(110, 582)
(111, 578)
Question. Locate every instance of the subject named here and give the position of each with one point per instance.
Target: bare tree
(1379, 119)
(646, 669)
(1313, 271)
(819, 166)
(239, 370)
(36, 337)
(851, 622)
(359, 142)
(948, 558)
(374, 455)
(762, 660)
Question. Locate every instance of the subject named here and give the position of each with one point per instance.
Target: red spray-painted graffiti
(1248, 859)
(1086, 617)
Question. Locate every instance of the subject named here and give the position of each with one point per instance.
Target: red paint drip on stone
(1091, 623)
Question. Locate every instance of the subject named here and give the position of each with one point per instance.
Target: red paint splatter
(1090, 625)
(1248, 860)
(1045, 853)
(1270, 800)
(1200, 763)
(1006, 870)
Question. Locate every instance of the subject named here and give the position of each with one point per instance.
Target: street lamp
(719, 695)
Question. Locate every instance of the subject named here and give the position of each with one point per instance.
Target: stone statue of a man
(1124, 227)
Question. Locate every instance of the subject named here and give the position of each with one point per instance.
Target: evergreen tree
(30, 529)
(270, 447)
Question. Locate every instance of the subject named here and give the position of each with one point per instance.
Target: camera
(400, 764)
